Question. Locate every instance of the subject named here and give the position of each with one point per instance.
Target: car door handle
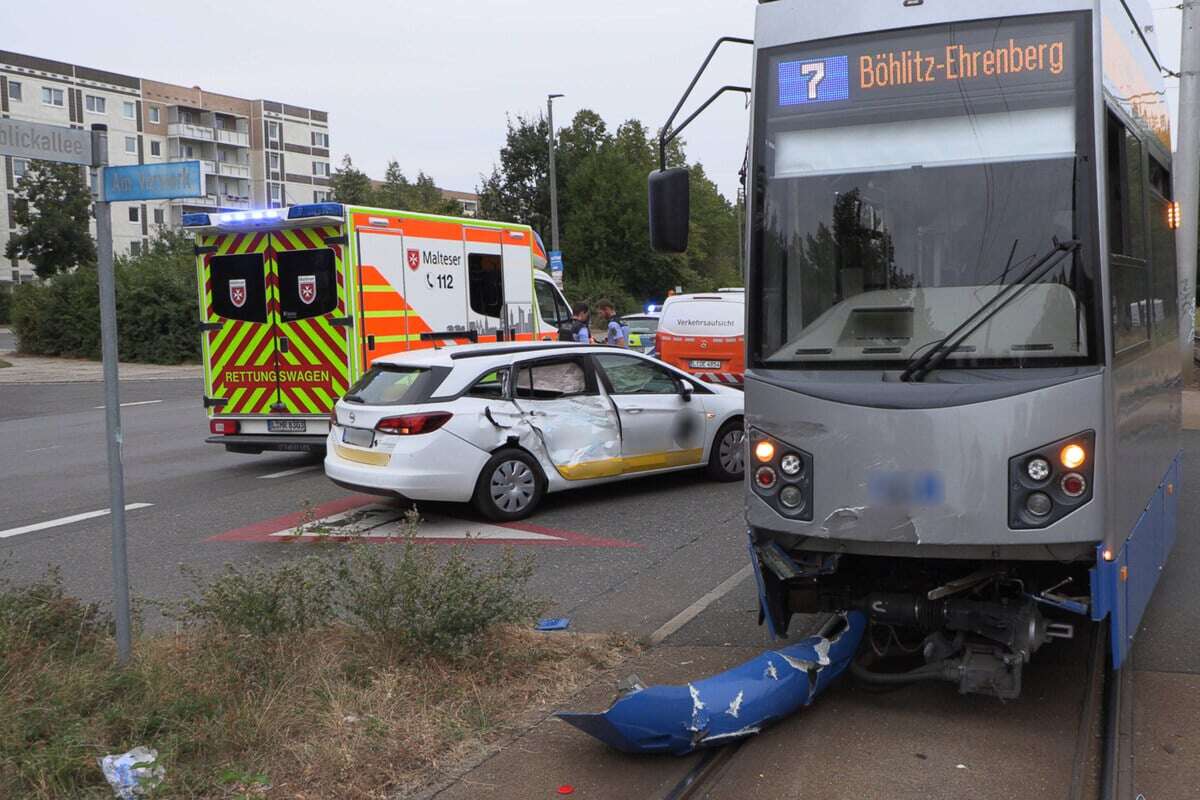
(634, 410)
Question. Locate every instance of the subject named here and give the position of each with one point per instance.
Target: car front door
(659, 428)
(560, 399)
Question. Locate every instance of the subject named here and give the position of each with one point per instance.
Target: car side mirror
(670, 209)
(686, 390)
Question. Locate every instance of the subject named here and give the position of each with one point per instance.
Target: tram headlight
(782, 476)
(1038, 469)
(792, 465)
(1039, 504)
(1073, 456)
(1050, 482)
(792, 497)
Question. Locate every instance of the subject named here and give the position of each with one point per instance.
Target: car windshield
(907, 178)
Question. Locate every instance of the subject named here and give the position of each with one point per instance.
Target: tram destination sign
(1000, 55)
(36, 141)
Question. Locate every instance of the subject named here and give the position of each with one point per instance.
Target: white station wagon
(500, 425)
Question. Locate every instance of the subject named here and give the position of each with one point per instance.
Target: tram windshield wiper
(931, 360)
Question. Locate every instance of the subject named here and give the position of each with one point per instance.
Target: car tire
(727, 460)
(510, 486)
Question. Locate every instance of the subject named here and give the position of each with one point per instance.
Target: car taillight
(413, 424)
(333, 417)
(224, 427)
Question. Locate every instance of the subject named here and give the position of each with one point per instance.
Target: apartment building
(253, 153)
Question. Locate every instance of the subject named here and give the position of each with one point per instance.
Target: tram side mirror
(670, 209)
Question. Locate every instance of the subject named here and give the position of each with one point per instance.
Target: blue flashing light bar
(315, 210)
(196, 220)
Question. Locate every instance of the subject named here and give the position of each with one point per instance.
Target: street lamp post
(553, 181)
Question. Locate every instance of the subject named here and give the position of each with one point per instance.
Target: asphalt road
(680, 535)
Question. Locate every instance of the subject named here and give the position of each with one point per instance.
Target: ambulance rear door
(238, 323)
(311, 337)
(484, 249)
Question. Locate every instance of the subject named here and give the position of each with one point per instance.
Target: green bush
(431, 605)
(264, 600)
(157, 313)
(5, 305)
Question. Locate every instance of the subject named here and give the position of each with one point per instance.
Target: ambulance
(296, 303)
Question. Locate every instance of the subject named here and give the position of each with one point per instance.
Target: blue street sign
(556, 261)
(153, 181)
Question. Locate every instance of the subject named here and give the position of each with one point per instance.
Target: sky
(430, 83)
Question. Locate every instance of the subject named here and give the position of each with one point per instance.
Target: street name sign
(34, 140)
(153, 181)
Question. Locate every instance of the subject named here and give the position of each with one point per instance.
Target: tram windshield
(905, 179)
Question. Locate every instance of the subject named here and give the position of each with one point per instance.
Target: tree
(351, 185)
(603, 209)
(53, 212)
(518, 190)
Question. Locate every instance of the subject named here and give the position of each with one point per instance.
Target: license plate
(705, 364)
(287, 426)
(359, 437)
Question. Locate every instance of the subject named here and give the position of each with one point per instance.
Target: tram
(963, 384)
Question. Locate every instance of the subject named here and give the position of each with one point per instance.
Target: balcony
(207, 167)
(235, 138)
(185, 130)
(213, 201)
(232, 170)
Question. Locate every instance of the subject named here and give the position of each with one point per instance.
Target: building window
(273, 134)
(156, 148)
(134, 216)
(95, 104)
(130, 144)
(159, 217)
(52, 97)
(320, 139)
(135, 249)
(19, 166)
(154, 114)
(14, 90)
(276, 195)
(128, 110)
(321, 168)
(322, 197)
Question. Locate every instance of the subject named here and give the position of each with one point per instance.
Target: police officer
(577, 329)
(618, 333)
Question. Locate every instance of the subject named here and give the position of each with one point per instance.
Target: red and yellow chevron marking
(315, 370)
(241, 355)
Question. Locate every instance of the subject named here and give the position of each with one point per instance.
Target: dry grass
(326, 714)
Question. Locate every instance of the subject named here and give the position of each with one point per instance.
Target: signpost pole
(1187, 177)
(112, 401)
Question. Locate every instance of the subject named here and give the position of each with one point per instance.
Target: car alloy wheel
(513, 486)
(732, 451)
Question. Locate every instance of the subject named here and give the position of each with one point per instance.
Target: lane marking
(44, 449)
(287, 473)
(55, 523)
(695, 609)
(138, 403)
(363, 518)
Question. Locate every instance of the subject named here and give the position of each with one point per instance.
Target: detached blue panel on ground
(1121, 588)
(729, 706)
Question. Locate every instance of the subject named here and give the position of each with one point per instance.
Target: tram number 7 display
(932, 60)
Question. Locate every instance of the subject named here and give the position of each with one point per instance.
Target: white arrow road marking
(138, 403)
(55, 523)
(287, 473)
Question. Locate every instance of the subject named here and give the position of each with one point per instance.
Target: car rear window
(390, 385)
(641, 324)
(704, 318)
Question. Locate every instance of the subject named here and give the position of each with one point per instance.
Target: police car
(502, 425)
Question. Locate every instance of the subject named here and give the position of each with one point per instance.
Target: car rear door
(659, 428)
(560, 398)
